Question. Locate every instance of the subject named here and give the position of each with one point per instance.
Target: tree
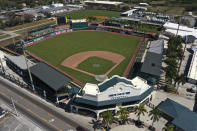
(180, 79)
(155, 115)
(108, 119)
(123, 114)
(140, 110)
(92, 18)
(169, 127)
(97, 124)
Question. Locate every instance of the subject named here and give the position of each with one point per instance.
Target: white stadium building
(111, 94)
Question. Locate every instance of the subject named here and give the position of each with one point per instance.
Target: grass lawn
(4, 36)
(57, 49)
(87, 13)
(96, 65)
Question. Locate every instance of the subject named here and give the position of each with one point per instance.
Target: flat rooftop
(192, 74)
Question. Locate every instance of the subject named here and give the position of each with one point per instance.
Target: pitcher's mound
(101, 78)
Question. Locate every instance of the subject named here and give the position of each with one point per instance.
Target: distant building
(112, 93)
(183, 31)
(55, 5)
(151, 68)
(129, 12)
(143, 4)
(103, 3)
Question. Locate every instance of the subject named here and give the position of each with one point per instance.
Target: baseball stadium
(84, 54)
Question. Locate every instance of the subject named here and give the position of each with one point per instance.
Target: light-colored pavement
(44, 115)
(19, 123)
(127, 128)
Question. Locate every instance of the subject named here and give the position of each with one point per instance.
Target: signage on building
(119, 95)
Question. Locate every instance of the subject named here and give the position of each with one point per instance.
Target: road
(12, 35)
(44, 115)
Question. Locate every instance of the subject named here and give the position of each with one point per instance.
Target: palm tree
(123, 114)
(154, 115)
(180, 79)
(108, 118)
(169, 127)
(96, 124)
(140, 110)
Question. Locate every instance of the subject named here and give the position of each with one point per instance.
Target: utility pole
(2, 66)
(14, 106)
(45, 95)
(29, 72)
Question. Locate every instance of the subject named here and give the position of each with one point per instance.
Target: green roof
(112, 82)
(50, 76)
(184, 118)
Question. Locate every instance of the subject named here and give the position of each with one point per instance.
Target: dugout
(49, 82)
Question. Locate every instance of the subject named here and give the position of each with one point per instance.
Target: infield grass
(58, 48)
(87, 13)
(96, 65)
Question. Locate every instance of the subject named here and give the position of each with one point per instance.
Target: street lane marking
(27, 109)
(51, 115)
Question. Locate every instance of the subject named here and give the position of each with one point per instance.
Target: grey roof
(19, 61)
(50, 76)
(114, 101)
(152, 64)
(156, 46)
(112, 82)
(183, 117)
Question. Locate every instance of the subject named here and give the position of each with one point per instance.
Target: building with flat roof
(129, 12)
(151, 68)
(192, 73)
(104, 3)
(183, 30)
(112, 93)
(180, 116)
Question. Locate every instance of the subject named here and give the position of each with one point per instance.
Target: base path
(74, 60)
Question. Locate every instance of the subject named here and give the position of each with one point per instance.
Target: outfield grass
(96, 65)
(87, 13)
(57, 49)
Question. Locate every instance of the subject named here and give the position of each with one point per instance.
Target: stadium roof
(152, 64)
(50, 76)
(19, 61)
(183, 117)
(156, 46)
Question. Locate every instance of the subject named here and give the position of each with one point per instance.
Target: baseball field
(85, 54)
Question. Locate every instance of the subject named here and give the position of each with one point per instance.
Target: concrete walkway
(127, 128)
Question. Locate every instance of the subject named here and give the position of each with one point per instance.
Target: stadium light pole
(29, 72)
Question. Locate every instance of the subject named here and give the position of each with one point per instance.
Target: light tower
(24, 54)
